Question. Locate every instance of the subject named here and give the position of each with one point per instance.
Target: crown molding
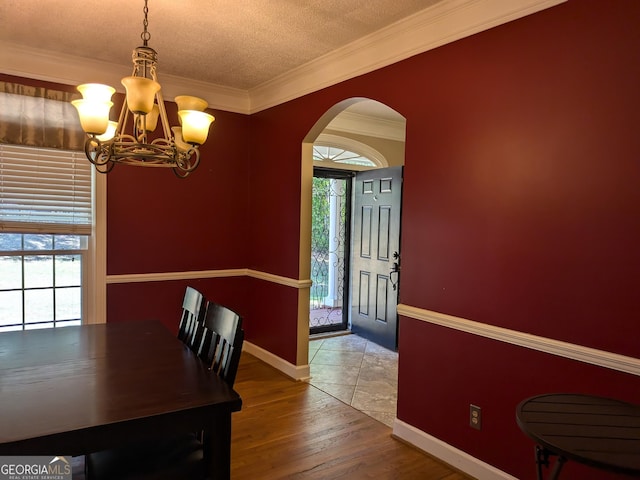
(72, 70)
(433, 27)
(443, 23)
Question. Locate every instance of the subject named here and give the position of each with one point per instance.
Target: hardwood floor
(289, 429)
(293, 430)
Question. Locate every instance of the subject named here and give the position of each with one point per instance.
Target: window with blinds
(44, 190)
(45, 223)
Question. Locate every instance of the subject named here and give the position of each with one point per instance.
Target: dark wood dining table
(597, 431)
(76, 390)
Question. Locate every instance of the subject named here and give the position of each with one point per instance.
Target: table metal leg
(557, 467)
(542, 460)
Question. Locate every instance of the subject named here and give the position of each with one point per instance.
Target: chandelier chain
(145, 35)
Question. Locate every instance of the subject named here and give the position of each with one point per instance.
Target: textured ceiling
(232, 43)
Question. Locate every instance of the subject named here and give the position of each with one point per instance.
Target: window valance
(39, 117)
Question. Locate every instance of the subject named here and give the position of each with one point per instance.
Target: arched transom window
(340, 155)
(338, 152)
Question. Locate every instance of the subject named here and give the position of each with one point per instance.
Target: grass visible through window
(41, 280)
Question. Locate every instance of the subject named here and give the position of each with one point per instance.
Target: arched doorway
(380, 131)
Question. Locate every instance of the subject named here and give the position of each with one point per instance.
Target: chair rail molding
(198, 274)
(559, 348)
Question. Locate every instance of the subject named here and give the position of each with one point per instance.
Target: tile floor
(357, 372)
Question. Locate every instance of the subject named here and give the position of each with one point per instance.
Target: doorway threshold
(323, 335)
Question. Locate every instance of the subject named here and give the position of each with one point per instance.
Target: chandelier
(108, 144)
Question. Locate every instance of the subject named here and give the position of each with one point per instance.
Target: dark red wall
(159, 223)
(163, 300)
(274, 190)
(273, 318)
(531, 153)
(521, 210)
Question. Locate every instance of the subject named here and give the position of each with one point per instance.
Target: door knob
(395, 268)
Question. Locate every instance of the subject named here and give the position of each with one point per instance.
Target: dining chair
(220, 343)
(193, 311)
(219, 347)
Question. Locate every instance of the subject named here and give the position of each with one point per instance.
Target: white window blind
(44, 190)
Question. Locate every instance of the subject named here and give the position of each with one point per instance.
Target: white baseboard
(450, 455)
(297, 372)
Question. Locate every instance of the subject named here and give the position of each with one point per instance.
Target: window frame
(94, 258)
(53, 253)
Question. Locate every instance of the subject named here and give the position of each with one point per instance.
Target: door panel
(384, 233)
(365, 231)
(363, 288)
(377, 203)
(382, 299)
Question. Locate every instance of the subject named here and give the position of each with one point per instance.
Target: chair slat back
(220, 345)
(193, 311)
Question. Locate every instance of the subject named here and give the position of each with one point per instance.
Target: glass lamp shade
(110, 133)
(96, 92)
(151, 119)
(94, 115)
(180, 143)
(187, 102)
(195, 126)
(141, 93)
